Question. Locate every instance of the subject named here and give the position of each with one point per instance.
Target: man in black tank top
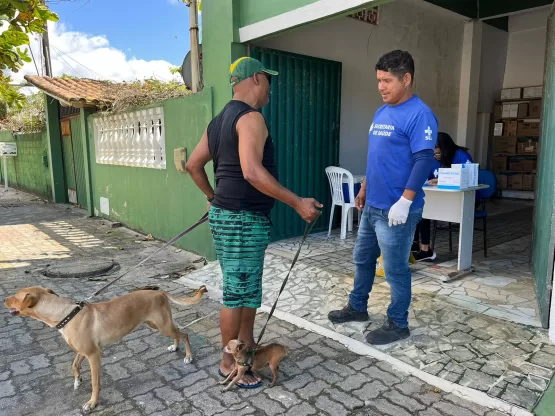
(238, 143)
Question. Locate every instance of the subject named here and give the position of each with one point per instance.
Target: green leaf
(13, 37)
(24, 18)
(24, 55)
(22, 6)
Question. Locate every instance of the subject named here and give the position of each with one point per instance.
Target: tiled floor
(517, 214)
(479, 331)
(501, 285)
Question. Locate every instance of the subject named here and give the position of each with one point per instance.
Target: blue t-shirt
(395, 134)
(459, 158)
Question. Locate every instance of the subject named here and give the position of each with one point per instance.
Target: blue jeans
(375, 236)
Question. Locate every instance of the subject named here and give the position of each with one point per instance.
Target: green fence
(28, 171)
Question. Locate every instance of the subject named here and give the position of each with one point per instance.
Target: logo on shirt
(436, 173)
(371, 128)
(382, 129)
(428, 132)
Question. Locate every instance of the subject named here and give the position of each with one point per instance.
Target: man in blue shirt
(401, 144)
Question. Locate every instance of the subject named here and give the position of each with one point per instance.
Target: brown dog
(100, 324)
(270, 354)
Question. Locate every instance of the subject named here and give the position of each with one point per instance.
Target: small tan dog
(270, 354)
(100, 324)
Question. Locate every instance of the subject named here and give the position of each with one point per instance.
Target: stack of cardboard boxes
(516, 138)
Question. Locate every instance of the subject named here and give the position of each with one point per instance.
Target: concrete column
(480, 149)
(470, 84)
(85, 112)
(55, 158)
(219, 48)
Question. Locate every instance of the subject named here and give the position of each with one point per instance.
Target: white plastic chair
(336, 176)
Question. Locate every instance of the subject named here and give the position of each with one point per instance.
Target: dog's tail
(188, 301)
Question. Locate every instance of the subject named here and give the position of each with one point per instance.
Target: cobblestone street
(139, 375)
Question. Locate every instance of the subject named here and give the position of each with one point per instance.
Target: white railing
(135, 138)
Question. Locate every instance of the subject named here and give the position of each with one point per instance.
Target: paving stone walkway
(139, 376)
(480, 331)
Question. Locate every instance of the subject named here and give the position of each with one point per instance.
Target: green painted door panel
(69, 168)
(303, 120)
(79, 161)
(544, 224)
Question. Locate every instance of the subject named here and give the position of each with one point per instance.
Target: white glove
(399, 212)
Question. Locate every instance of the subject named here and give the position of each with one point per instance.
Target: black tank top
(232, 191)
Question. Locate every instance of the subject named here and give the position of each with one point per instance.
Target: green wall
(219, 30)
(252, 11)
(27, 171)
(160, 202)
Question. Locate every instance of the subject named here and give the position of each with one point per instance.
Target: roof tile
(77, 92)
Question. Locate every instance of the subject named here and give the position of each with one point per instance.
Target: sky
(120, 40)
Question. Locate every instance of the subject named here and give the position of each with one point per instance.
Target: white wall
(432, 35)
(492, 74)
(526, 52)
(492, 67)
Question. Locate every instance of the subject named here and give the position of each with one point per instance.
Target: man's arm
(252, 132)
(423, 162)
(196, 163)
(423, 137)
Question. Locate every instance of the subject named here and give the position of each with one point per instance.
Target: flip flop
(241, 385)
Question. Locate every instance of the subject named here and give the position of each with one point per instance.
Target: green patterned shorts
(240, 239)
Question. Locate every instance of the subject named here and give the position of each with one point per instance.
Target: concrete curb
(361, 348)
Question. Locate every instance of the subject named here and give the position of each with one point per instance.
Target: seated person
(446, 153)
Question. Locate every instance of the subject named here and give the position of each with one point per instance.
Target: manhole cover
(82, 269)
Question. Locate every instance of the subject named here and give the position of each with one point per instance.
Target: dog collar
(250, 359)
(71, 315)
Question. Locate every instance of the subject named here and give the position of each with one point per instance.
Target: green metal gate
(69, 169)
(74, 162)
(303, 120)
(79, 161)
(544, 224)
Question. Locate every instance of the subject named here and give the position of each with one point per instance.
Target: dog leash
(202, 220)
(83, 303)
(308, 228)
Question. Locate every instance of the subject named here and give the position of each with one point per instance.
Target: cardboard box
(498, 129)
(499, 163)
(522, 164)
(497, 112)
(504, 145)
(511, 93)
(532, 92)
(514, 182)
(528, 128)
(528, 182)
(502, 181)
(473, 169)
(535, 110)
(528, 147)
(453, 178)
(522, 111)
(510, 127)
(506, 113)
(514, 111)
